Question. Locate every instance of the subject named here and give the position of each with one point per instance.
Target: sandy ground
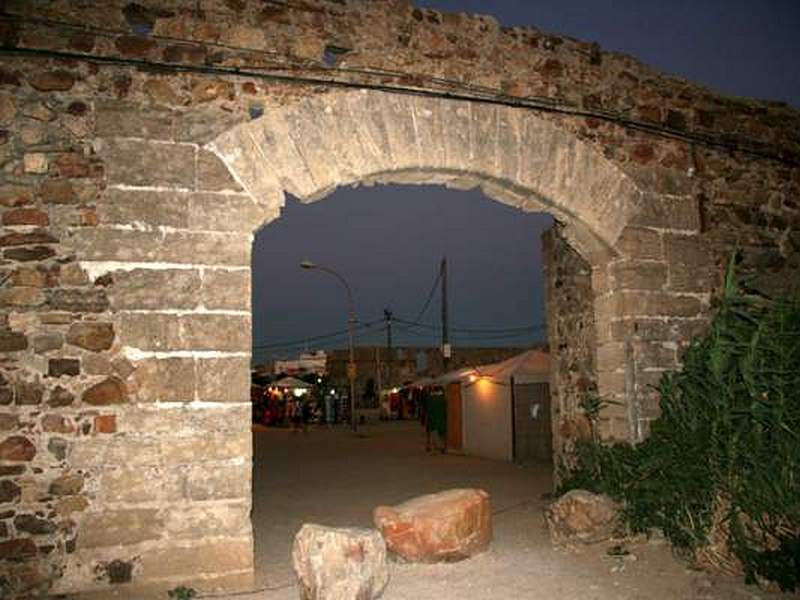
(335, 478)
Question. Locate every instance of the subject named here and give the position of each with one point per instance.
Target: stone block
(218, 557)
(213, 175)
(612, 356)
(216, 519)
(149, 332)
(91, 335)
(119, 527)
(120, 119)
(86, 300)
(109, 391)
(223, 379)
(130, 450)
(640, 244)
(691, 263)
(339, 563)
(225, 212)
(663, 212)
(67, 485)
(155, 209)
(186, 450)
(141, 163)
(139, 485)
(639, 275)
(163, 380)
(224, 333)
(58, 191)
(28, 392)
(155, 419)
(12, 341)
(218, 480)
(226, 290)
(155, 289)
(21, 296)
(108, 244)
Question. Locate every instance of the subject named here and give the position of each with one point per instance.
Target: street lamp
(351, 319)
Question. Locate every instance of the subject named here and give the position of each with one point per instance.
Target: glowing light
(299, 392)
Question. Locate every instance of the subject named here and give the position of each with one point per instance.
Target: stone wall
(569, 301)
(141, 144)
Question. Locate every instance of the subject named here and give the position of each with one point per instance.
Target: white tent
(487, 405)
(291, 383)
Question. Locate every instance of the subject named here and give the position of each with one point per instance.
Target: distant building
(375, 367)
(308, 362)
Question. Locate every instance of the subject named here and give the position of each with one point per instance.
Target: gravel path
(335, 478)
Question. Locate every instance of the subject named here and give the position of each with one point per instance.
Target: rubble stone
(339, 563)
(583, 517)
(450, 525)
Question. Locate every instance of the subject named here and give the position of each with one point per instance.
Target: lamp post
(351, 319)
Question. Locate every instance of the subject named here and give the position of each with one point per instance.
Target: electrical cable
(474, 94)
(300, 341)
(430, 296)
(474, 330)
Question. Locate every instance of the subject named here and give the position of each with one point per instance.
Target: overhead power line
(425, 306)
(324, 336)
(457, 90)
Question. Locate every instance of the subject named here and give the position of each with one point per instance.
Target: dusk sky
(388, 241)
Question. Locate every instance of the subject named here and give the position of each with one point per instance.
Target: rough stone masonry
(142, 144)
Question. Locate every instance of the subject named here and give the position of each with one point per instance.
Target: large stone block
(186, 420)
(640, 244)
(149, 208)
(639, 275)
(223, 379)
(224, 212)
(691, 263)
(218, 557)
(339, 563)
(224, 289)
(198, 331)
(155, 289)
(218, 480)
(664, 212)
(450, 525)
(121, 119)
(149, 332)
(144, 484)
(163, 380)
(149, 164)
(225, 333)
(187, 449)
(205, 520)
(123, 245)
(213, 175)
(119, 527)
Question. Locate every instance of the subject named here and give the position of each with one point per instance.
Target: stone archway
(518, 157)
(310, 147)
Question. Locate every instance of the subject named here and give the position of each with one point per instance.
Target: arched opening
(310, 148)
(387, 241)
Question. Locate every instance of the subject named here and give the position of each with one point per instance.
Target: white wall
(487, 420)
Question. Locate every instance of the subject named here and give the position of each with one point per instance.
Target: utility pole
(445, 338)
(388, 316)
(378, 378)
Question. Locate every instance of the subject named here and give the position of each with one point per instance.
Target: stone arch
(516, 156)
(309, 147)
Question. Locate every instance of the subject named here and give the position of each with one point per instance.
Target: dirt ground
(335, 478)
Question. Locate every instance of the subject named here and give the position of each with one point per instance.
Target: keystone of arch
(312, 146)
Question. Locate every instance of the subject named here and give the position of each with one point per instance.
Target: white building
(308, 362)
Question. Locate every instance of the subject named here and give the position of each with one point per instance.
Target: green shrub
(723, 459)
